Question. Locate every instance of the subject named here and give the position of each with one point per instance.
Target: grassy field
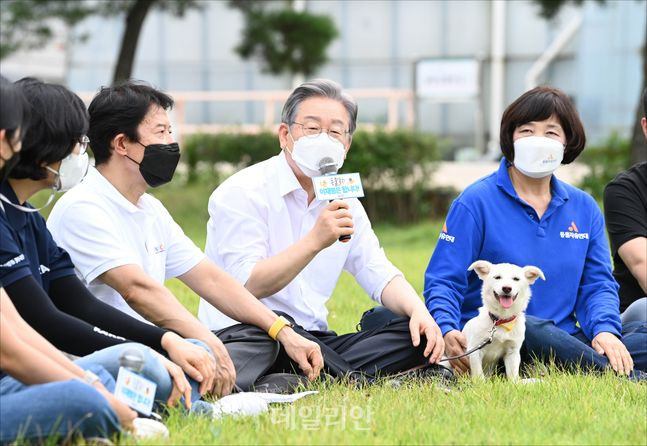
(561, 409)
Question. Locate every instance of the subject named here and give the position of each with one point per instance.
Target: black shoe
(284, 383)
(429, 371)
(437, 371)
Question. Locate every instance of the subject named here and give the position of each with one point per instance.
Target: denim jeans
(637, 311)
(59, 409)
(545, 340)
(153, 368)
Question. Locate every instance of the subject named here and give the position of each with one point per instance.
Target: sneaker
(97, 441)
(238, 404)
(148, 428)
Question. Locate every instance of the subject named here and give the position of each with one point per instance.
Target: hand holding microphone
(334, 222)
(327, 166)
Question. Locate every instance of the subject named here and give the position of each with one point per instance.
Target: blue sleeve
(597, 305)
(446, 278)
(14, 265)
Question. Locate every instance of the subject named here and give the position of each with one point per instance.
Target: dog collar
(507, 324)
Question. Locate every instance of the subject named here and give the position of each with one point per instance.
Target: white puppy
(505, 294)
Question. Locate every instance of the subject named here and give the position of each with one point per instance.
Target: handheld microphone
(327, 166)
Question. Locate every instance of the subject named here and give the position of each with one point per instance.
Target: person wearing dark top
(39, 276)
(51, 397)
(625, 211)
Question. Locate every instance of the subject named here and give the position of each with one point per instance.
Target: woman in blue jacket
(522, 214)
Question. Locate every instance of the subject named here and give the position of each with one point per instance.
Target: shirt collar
(16, 218)
(94, 179)
(503, 180)
(286, 179)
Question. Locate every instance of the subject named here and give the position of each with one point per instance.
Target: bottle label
(135, 391)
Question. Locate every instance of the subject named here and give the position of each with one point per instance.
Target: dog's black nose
(506, 289)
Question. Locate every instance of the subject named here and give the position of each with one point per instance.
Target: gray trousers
(383, 350)
(252, 351)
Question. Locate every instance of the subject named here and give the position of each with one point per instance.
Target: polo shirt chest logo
(574, 232)
(155, 247)
(445, 236)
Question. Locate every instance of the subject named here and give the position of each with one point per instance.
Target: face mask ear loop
(293, 142)
(132, 160)
(59, 185)
(25, 208)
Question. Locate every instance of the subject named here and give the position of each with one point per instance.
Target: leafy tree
(549, 9)
(27, 24)
(285, 40)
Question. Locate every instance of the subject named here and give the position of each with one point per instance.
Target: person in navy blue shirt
(42, 393)
(39, 276)
(522, 214)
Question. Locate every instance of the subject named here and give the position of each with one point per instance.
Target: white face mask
(308, 151)
(537, 156)
(73, 169)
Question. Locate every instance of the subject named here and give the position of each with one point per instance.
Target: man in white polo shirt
(270, 233)
(125, 244)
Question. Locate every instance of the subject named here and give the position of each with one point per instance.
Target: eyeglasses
(313, 129)
(83, 144)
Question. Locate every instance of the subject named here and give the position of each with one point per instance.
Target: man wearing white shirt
(270, 233)
(125, 244)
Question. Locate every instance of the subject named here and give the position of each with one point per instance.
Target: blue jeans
(59, 409)
(637, 311)
(545, 340)
(153, 368)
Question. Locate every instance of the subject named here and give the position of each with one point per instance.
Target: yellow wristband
(277, 326)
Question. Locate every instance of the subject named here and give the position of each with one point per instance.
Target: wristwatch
(90, 377)
(277, 326)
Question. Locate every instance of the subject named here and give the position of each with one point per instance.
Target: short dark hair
(58, 119)
(645, 102)
(539, 104)
(120, 109)
(14, 110)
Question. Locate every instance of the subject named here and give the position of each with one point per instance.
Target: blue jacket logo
(445, 236)
(574, 233)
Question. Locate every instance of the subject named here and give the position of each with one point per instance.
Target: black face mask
(159, 163)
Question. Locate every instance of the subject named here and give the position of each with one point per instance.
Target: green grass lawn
(561, 409)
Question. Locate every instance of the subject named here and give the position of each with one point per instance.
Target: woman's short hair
(539, 104)
(58, 120)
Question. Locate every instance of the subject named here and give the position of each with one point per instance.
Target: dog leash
(467, 353)
(478, 347)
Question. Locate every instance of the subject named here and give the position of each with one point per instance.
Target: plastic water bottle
(132, 359)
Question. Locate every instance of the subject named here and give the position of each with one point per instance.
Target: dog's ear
(481, 267)
(532, 273)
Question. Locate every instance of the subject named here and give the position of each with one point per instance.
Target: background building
(378, 46)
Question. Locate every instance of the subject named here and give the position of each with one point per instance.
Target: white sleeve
(237, 231)
(181, 253)
(366, 260)
(91, 238)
